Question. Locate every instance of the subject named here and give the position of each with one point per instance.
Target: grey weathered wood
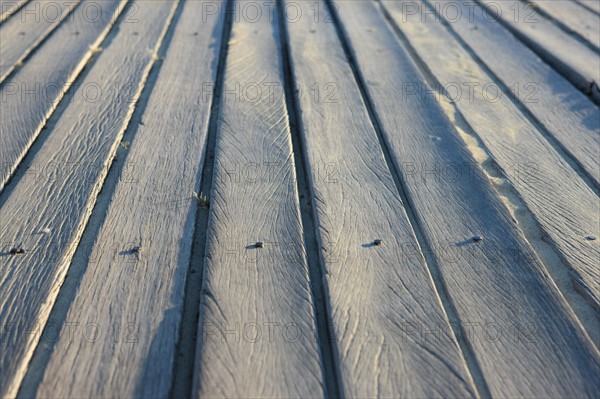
(142, 292)
(573, 18)
(573, 59)
(28, 28)
(562, 203)
(9, 7)
(371, 288)
(593, 5)
(46, 211)
(525, 339)
(257, 333)
(32, 94)
(566, 113)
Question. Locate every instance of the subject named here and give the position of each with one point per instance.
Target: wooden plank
(371, 288)
(563, 204)
(571, 118)
(257, 333)
(593, 5)
(145, 291)
(31, 95)
(45, 213)
(9, 7)
(575, 61)
(526, 341)
(27, 30)
(571, 17)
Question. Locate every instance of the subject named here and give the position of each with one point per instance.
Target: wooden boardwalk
(300, 198)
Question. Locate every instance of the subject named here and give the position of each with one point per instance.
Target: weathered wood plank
(575, 61)
(571, 118)
(526, 341)
(32, 94)
(572, 17)
(593, 5)
(257, 333)
(9, 7)
(28, 28)
(371, 288)
(45, 213)
(562, 203)
(143, 292)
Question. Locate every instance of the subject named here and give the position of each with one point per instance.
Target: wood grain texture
(143, 292)
(571, 118)
(593, 5)
(573, 18)
(45, 212)
(562, 203)
(9, 7)
(28, 28)
(498, 287)
(31, 95)
(575, 61)
(257, 333)
(372, 289)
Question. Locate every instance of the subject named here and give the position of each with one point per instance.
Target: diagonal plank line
(12, 11)
(184, 365)
(42, 112)
(58, 316)
(426, 250)
(29, 51)
(331, 372)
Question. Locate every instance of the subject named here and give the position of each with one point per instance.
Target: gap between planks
(571, 66)
(565, 153)
(446, 302)
(562, 25)
(487, 278)
(560, 228)
(8, 71)
(331, 372)
(554, 262)
(16, 6)
(591, 5)
(42, 116)
(183, 367)
(559, 106)
(78, 265)
(75, 231)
